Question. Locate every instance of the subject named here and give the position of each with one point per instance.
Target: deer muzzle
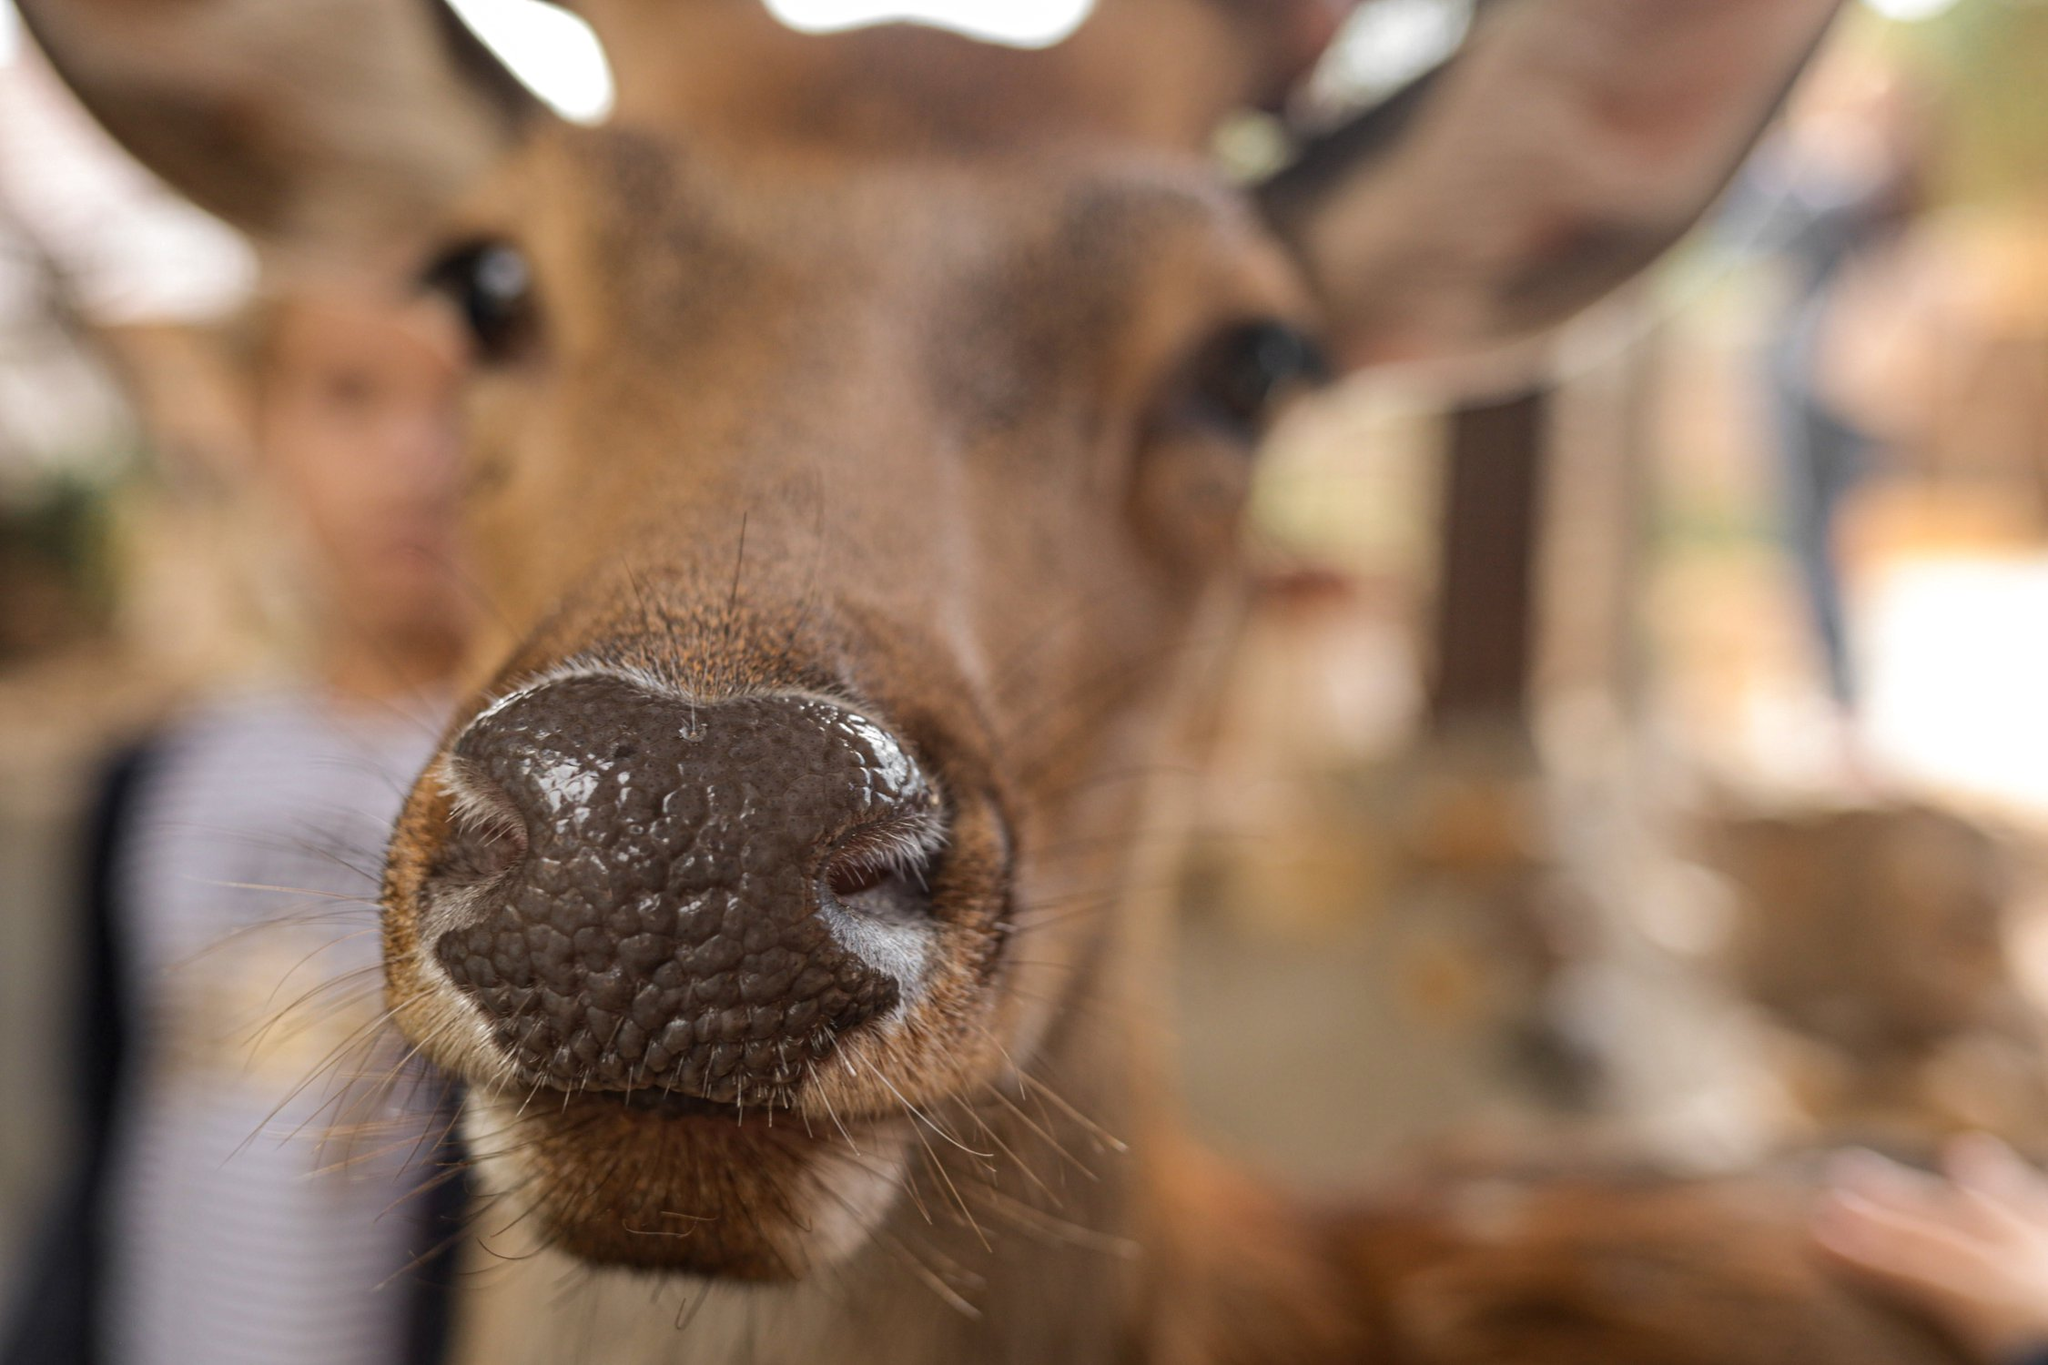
(646, 893)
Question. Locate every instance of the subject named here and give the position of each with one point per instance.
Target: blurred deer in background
(1878, 945)
(861, 427)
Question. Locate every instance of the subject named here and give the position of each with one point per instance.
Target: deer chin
(754, 1196)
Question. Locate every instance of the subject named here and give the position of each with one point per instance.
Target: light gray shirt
(266, 1162)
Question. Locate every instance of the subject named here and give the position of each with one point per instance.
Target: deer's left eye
(1243, 375)
(491, 285)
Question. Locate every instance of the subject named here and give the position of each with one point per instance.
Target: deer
(860, 429)
(1878, 947)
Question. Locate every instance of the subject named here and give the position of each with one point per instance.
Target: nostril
(487, 837)
(882, 892)
(483, 852)
(885, 872)
(850, 879)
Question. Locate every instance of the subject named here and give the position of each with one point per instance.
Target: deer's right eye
(491, 285)
(1245, 373)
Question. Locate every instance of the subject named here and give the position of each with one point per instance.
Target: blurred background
(1654, 753)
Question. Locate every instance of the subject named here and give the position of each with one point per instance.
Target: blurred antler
(1567, 145)
(1290, 37)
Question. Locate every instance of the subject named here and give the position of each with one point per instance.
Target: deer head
(861, 424)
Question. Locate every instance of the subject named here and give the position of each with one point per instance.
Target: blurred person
(1842, 180)
(1970, 1246)
(253, 1181)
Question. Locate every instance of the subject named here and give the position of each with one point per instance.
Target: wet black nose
(643, 893)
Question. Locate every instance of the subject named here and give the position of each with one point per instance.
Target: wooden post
(1486, 598)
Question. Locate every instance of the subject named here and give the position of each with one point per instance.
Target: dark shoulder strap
(54, 1310)
(439, 1234)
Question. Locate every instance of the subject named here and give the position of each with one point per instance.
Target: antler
(1288, 38)
(247, 105)
(1172, 69)
(1567, 145)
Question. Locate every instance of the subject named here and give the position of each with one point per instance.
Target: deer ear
(1565, 147)
(324, 124)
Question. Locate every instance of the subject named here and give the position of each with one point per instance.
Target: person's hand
(1971, 1249)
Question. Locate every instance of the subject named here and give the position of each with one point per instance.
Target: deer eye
(491, 285)
(1243, 374)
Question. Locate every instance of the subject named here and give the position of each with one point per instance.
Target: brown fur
(1557, 1269)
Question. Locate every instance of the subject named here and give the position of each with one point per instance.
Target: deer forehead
(970, 288)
